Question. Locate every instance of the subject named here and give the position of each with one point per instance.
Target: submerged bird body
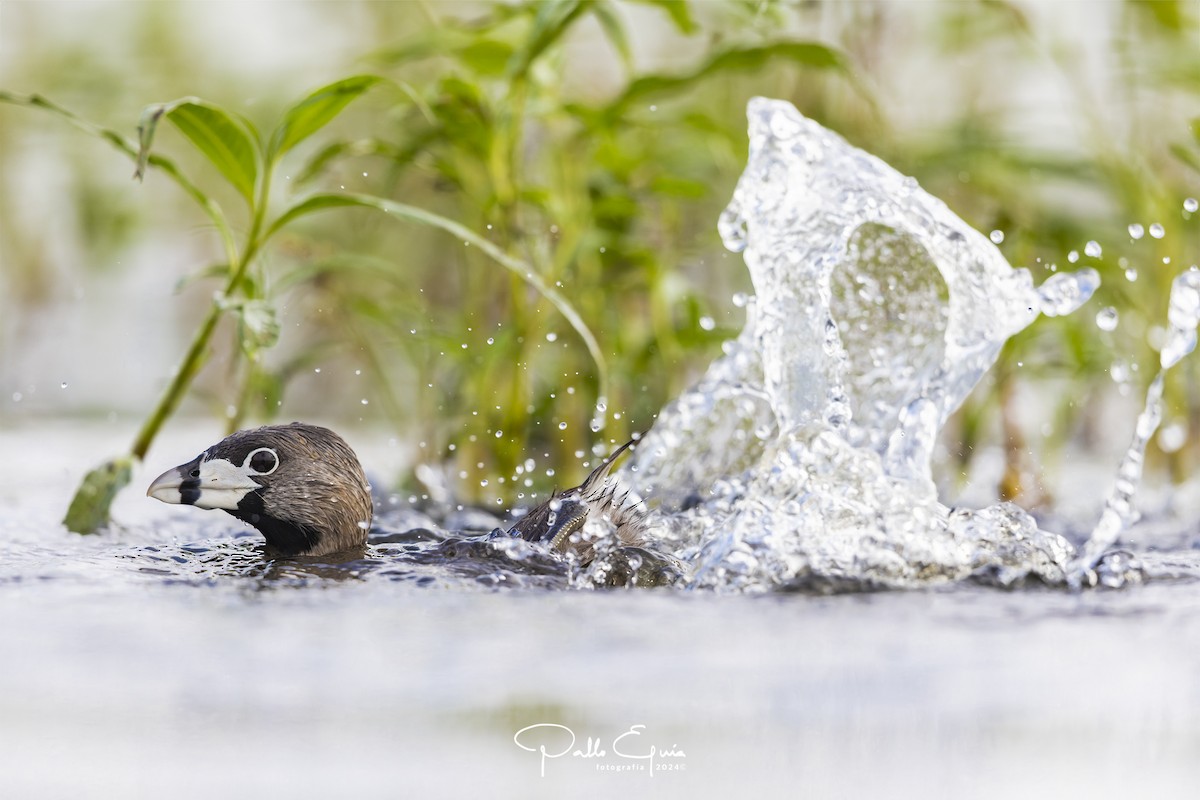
(300, 485)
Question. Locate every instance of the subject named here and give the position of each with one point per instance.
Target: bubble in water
(732, 228)
(62, 385)
(1190, 205)
(1157, 231)
(1093, 249)
(1136, 231)
(1107, 319)
(996, 236)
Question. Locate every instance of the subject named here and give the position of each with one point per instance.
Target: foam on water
(802, 457)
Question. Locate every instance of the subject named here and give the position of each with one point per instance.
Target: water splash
(802, 457)
(1183, 316)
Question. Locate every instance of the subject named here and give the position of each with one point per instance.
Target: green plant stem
(198, 349)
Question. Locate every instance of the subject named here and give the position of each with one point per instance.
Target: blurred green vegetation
(548, 131)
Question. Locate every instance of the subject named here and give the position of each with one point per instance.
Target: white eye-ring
(262, 461)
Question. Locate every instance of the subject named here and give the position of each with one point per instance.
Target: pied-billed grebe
(300, 485)
(303, 488)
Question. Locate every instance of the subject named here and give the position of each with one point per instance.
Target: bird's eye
(264, 461)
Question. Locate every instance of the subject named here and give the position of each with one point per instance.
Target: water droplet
(1190, 205)
(1157, 231)
(63, 385)
(1173, 435)
(1131, 275)
(491, 340)
(1073, 256)
(551, 337)
(16, 397)
(483, 482)
(740, 299)
(1107, 319)
(562, 426)
(1136, 231)
(364, 401)
(707, 323)
(317, 370)
(1093, 249)
(996, 236)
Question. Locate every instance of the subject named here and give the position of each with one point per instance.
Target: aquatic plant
(247, 161)
(607, 180)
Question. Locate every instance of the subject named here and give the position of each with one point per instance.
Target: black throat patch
(286, 538)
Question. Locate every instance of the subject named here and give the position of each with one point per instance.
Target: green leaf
(225, 141)
(125, 146)
(486, 56)
(606, 15)
(747, 59)
(679, 11)
(552, 21)
(211, 271)
(90, 507)
(1186, 156)
(258, 327)
(315, 111)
